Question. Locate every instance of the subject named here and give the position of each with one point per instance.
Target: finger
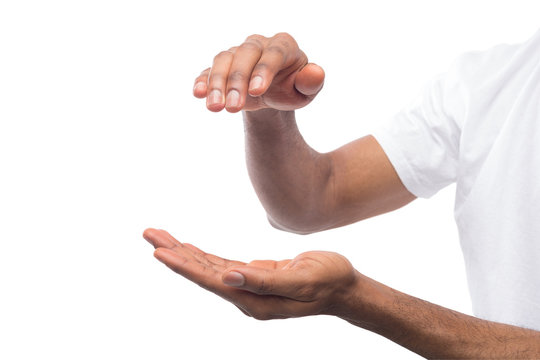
(160, 238)
(281, 52)
(283, 264)
(221, 263)
(215, 261)
(200, 255)
(264, 281)
(217, 80)
(188, 250)
(194, 249)
(171, 238)
(245, 58)
(270, 63)
(200, 87)
(209, 258)
(190, 268)
(309, 81)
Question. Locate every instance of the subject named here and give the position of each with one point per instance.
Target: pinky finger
(200, 88)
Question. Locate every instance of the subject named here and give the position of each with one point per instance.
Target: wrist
(268, 119)
(365, 303)
(265, 114)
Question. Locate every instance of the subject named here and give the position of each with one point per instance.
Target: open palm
(309, 284)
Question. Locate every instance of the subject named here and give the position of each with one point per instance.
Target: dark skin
(304, 191)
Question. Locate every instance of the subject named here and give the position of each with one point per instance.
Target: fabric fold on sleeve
(422, 140)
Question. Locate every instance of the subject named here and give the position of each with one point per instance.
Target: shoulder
(475, 68)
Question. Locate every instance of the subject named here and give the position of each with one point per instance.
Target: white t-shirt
(479, 125)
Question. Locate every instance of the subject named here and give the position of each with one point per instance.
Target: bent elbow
(299, 230)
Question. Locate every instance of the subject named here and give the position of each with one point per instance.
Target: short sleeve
(422, 140)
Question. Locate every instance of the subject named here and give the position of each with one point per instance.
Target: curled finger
(200, 86)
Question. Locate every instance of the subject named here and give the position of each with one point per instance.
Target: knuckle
(252, 45)
(261, 68)
(277, 50)
(223, 55)
(285, 40)
(264, 286)
(216, 81)
(255, 37)
(283, 35)
(216, 77)
(237, 76)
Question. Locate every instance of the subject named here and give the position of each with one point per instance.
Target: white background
(100, 138)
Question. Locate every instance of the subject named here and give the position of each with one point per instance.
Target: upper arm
(363, 183)
(422, 142)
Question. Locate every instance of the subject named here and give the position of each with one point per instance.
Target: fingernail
(233, 98)
(234, 278)
(215, 97)
(199, 87)
(256, 83)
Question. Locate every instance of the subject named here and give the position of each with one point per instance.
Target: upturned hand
(313, 283)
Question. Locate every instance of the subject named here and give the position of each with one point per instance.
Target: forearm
(289, 177)
(433, 331)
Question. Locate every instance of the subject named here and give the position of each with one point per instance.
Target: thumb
(309, 81)
(263, 281)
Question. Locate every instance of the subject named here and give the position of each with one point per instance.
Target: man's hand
(260, 73)
(302, 190)
(313, 283)
(318, 282)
